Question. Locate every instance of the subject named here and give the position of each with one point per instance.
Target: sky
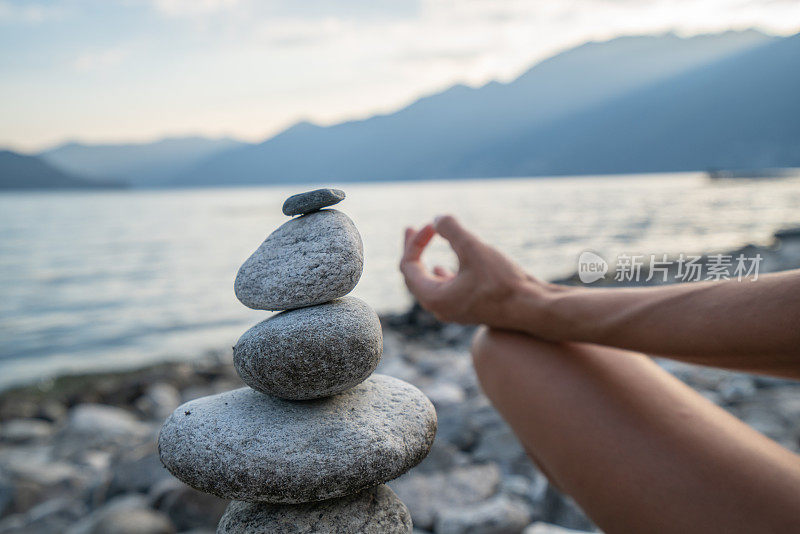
(104, 71)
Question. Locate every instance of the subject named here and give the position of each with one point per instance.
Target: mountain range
(18, 171)
(632, 104)
(141, 164)
(487, 131)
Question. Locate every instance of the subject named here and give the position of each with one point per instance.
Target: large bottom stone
(248, 446)
(373, 511)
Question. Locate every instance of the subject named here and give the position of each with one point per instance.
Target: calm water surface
(94, 280)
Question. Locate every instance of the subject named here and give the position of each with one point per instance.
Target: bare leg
(638, 450)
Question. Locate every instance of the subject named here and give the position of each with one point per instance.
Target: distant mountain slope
(435, 136)
(18, 171)
(741, 112)
(138, 164)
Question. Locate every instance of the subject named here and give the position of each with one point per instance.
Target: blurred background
(146, 147)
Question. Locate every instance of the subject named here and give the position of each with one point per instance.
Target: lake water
(97, 280)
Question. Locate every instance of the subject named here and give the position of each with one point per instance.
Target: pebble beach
(78, 453)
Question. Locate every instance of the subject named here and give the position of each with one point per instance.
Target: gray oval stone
(311, 352)
(248, 446)
(312, 201)
(373, 511)
(309, 260)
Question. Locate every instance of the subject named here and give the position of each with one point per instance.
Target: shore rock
(54, 515)
(311, 352)
(18, 431)
(427, 495)
(136, 474)
(562, 510)
(127, 514)
(248, 446)
(134, 521)
(187, 508)
(309, 260)
(547, 528)
(500, 515)
(159, 400)
(99, 425)
(312, 201)
(29, 475)
(374, 511)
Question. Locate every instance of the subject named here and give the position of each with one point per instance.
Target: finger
(460, 239)
(417, 243)
(443, 272)
(418, 280)
(408, 233)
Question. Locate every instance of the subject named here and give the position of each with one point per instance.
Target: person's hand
(484, 289)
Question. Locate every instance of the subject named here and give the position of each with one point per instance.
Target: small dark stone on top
(312, 201)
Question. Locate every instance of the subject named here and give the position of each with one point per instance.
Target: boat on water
(752, 174)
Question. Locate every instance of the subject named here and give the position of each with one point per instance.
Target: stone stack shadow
(309, 445)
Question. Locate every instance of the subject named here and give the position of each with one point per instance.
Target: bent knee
(499, 355)
(484, 345)
(493, 350)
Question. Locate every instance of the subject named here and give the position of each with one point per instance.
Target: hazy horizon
(366, 114)
(142, 71)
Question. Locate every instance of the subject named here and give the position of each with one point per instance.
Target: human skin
(640, 451)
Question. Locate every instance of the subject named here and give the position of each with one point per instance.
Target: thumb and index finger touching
(461, 240)
(417, 276)
(446, 226)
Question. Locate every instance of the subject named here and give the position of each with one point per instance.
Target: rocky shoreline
(77, 454)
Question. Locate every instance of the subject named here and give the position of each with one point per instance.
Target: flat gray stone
(248, 446)
(373, 511)
(312, 201)
(311, 352)
(309, 260)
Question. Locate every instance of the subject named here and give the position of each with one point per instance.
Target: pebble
(136, 521)
(25, 430)
(311, 352)
(248, 446)
(548, 528)
(312, 201)
(561, 509)
(159, 400)
(99, 424)
(427, 495)
(187, 508)
(135, 474)
(500, 515)
(309, 260)
(128, 514)
(374, 511)
(443, 392)
(54, 515)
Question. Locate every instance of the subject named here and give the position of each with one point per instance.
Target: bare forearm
(746, 325)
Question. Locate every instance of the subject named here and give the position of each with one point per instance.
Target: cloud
(297, 32)
(28, 12)
(251, 66)
(254, 10)
(93, 61)
(184, 8)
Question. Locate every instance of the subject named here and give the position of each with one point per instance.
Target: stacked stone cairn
(309, 445)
